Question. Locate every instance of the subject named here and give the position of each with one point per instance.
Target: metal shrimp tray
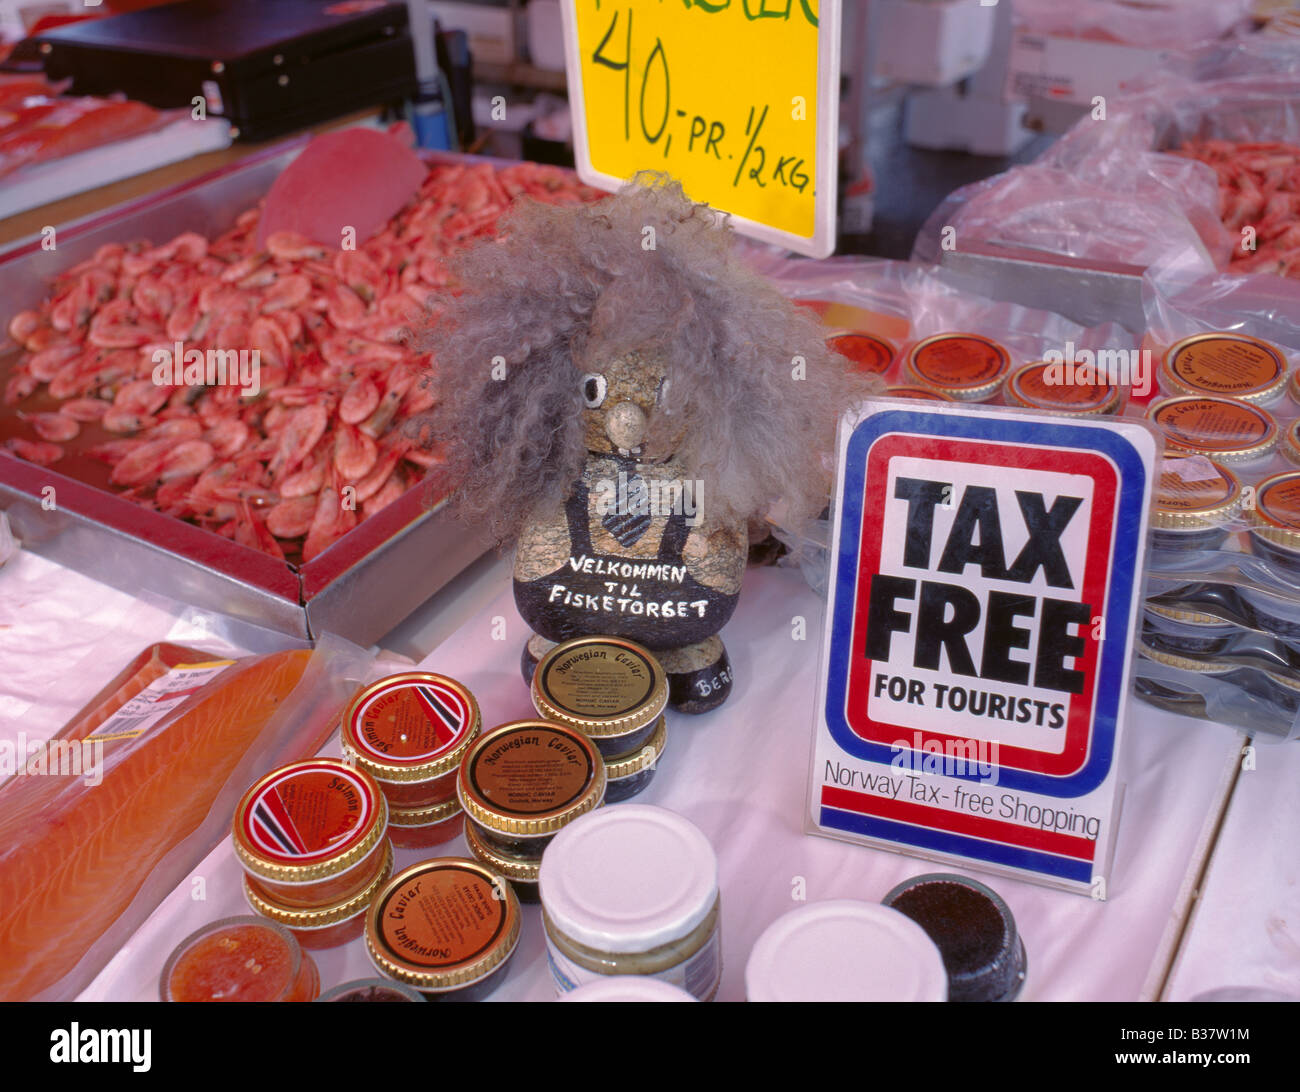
(361, 587)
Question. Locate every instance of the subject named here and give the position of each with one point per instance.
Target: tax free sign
(984, 594)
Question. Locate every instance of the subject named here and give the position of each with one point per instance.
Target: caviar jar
(447, 926)
(409, 732)
(628, 776)
(1221, 429)
(1031, 386)
(920, 394)
(1196, 501)
(610, 689)
(634, 988)
(520, 871)
(632, 890)
(239, 959)
(968, 367)
(844, 950)
(371, 989)
(1289, 445)
(1185, 631)
(1194, 668)
(523, 781)
(974, 930)
(328, 926)
(1227, 365)
(1275, 521)
(419, 828)
(869, 353)
(312, 834)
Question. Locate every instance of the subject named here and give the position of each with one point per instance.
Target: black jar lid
(974, 931)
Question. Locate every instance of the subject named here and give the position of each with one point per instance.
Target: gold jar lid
(1187, 617)
(530, 778)
(602, 686)
(442, 924)
(512, 868)
(1222, 429)
(1289, 445)
(921, 394)
(869, 353)
(642, 759)
(309, 821)
(425, 816)
(299, 918)
(1275, 516)
(414, 726)
(1184, 663)
(1031, 386)
(1194, 493)
(1225, 364)
(968, 367)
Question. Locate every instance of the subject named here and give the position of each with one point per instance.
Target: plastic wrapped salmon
(99, 825)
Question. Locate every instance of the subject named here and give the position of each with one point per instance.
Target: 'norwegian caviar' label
(597, 679)
(1213, 425)
(1225, 364)
(958, 362)
(308, 813)
(1191, 483)
(531, 770)
(1279, 500)
(409, 721)
(446, 916)
(1030, 387)
(869, 353)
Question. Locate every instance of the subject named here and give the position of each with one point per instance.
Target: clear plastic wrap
(1173, 23)
(1112, 190)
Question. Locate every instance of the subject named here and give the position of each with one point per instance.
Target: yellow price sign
(737, 99)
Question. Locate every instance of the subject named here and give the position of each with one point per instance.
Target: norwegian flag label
(410, 719)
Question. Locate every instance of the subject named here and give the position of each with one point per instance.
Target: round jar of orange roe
(239, 959)
(968, 367)
(329, 926)
(312, 834)
(419, 828)
(409, 732)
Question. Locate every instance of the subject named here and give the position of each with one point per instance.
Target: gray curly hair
(561, 282)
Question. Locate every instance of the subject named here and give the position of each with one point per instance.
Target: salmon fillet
(73, 856)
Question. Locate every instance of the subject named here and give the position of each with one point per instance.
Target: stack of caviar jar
(1221, 630)
(520, 785)
(312, 838)
(614, 692)
(410, 732)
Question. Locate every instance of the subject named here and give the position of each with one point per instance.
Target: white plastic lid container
(628, 879)
(632, 889)
(843, 950)
(627, 987)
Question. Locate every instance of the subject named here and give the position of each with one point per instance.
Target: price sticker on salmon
(983, 604)
(736, 99)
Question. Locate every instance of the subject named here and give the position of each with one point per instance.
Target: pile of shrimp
(1259, 188)
(321, 445)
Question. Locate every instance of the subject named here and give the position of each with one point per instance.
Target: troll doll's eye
(593, 390)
